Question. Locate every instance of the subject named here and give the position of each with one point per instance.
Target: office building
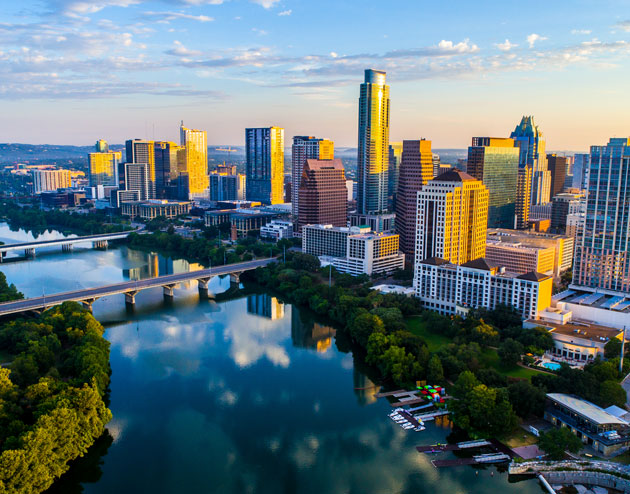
(518, 258)
(195, 161)
(564, 205)
(351, 186)
(602, 260)
(227, 187)
(373, 153)
(153, 208)
(416, 169)
(395, 156)
(604, 430)
(495, 161)
(540, 212)
(530, 140)
(225, 169)
(103, 168)
(523, 197)
(437, 163)
(353, 250)
(243, 222)
(562, 246)
(322, 194)
(383, 222)
(143, 151)
(305, 148)
(166, 158)
(101, 146)
(264, 154)
(117, 197)
(452, 218)
(580, 170)
(50, 180)
(558, 170)
(137, 177)
(276, 230)
(452, 289)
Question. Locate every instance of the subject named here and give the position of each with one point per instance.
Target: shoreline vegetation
(52, 393)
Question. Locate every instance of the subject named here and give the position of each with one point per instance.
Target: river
(245, 396)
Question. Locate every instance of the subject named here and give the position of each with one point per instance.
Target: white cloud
(533, 38)
(266, 3)
(624, 25)
(260, 32)
(581, 31)
(169, 16)
(179, 50)
(461, 47)
(285, 12)
(506, 46)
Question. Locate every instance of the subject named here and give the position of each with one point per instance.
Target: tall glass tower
(373, 156)
(264, 153)
(602, 257)
(196, 144)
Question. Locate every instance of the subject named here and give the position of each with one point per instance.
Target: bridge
(98, 241)
(168, 282)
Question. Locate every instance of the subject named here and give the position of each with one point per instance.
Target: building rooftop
(533, 276)
(335, 164)
(582, 330)
(453, 175)
(599, 300)
(480, 263)
(586, 409)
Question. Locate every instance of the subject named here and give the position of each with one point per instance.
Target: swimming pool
(551, 366)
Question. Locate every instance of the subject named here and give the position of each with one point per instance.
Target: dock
(410, 418)
(408, 401)
(399, 392)
(431, 415)
(435, 448)
(475, 460)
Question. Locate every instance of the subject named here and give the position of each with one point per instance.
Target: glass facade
(601, 255)
(495, 162)
(264, 153)
(373, 154)
(196, 161)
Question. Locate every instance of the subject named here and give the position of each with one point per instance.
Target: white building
(353, 250)
(50, 180)
(454, 290)
(277, 229)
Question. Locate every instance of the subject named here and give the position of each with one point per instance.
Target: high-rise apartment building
(227, 187)
(564, 205)
(195, 158)
(494, 161)
(416, 169)
(166, 166)
(523, 197)
(580, 170)
(264, 154)
(143, 151)
(103, 168)
(50, 180)
(323, 194)
(395, 155)
(602, 257)
(452, 218)
(373, 154)
(138, 177)
(305, 148)
(558, 170)
(101, 146)
(437, 162)
(532, 153)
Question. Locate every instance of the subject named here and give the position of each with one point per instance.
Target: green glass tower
(495, 161)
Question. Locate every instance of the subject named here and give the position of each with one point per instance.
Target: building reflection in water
(152, 265)
(306, 333)
(364, 388)
(264, 305)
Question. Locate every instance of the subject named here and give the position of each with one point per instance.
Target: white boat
(407, 427)
(419, 429)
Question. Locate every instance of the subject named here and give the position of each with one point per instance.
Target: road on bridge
(65, 240)
(126, 286)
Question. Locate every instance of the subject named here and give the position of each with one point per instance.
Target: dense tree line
(38, 221)
(487, 402)
(51, 395)
(8, 291)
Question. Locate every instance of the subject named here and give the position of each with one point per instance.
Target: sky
(74, 71)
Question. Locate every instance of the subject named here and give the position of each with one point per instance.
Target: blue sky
(77, 70)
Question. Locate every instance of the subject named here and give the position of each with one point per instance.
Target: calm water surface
(245, 396)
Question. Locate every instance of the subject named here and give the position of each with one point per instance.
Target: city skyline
(223, 66)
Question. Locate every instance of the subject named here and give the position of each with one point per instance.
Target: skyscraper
(580, 171)
(532, 152)
(196, 159)
(49, 180)
(523, 196)
(373, 155)
(227, 187)
(558, 170)
(137, 177)
(103, 168)
(142, 151)
(416, 169)
(166, 166)
(305, 148)
(602, 260)
(264, 153)
(494, 161)
(452, 218)
(395, 155)
(101, 146)
(323, 194)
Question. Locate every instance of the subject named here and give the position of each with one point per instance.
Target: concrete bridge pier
(87, 303)
(100, 244)
(67, 247)
(202, 285)
(169, 291)
(29, 252)
(130, 298)
(2, 255)
(235, 280)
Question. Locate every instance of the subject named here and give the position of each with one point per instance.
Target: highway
(127, 287)
(63, 241)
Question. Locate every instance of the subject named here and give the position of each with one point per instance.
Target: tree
(557, 441)
(435, 373)
(510, 352)
(363, 326)
(611, 393)
(526, 399)
(612, 348)
(465, 384)
(484, 334)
